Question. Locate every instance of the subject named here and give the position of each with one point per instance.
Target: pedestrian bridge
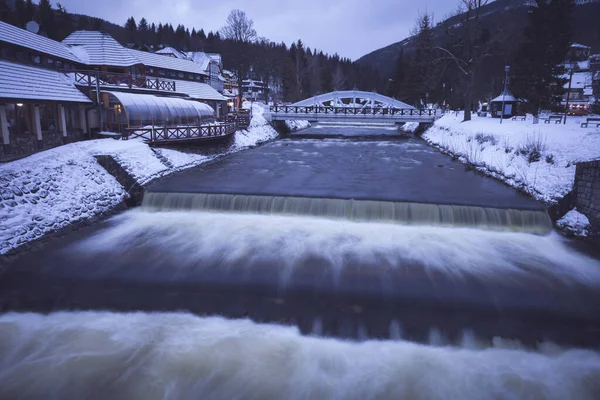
(352, 106)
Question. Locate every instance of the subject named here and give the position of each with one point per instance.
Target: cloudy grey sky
(350, 28)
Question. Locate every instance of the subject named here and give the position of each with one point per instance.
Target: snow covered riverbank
(55, 188)
(538, 159)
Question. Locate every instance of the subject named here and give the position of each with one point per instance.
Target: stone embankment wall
(587, 191)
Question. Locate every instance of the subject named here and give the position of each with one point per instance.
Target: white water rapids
(102, 355)
(247, 240)
(178, 356)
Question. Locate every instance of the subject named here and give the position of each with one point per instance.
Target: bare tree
(471, 44)
(240, 30)
(239, 27)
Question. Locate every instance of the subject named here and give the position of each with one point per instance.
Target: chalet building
(595, 71)
(581, 93)
(40, 107)
(230, 84)
(56, 92)
(578, 52)
(253, 89)
(212, 66)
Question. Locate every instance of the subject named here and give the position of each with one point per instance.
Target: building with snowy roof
(55, 92)
(212, 65)
(580, 93)
(40, 107)
(578, 52)
(120, 69)
(510, 103)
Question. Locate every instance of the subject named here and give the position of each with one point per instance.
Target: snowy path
(55, 188)
(539, 159)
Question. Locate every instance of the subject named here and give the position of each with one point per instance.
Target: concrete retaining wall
(587, 191)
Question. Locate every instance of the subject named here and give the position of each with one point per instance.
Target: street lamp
(568, 94)
(506, 70)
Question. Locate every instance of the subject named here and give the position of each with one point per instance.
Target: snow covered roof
(23, 38)
(200, 58)
(174, 52)
(215, 57)
(197, 90)
(100, 48)
(580, 80)
(161, 61)
(18, 81)
(507, 96)
(580, 46)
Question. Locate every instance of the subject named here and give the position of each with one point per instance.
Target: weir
(444, 215)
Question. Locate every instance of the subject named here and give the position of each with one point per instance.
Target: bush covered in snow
(574, 223)
(539, 159)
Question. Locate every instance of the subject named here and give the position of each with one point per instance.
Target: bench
(519, 117)
(591, 120)
(556, 118)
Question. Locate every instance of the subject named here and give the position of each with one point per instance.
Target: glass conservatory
(128, 110)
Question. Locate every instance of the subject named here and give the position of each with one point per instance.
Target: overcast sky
(350, 28)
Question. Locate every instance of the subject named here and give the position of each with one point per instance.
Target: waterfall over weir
(530, 221)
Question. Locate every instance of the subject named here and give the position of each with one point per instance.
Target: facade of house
(211, 67)
(40, 107)
(253, 89)
(578, 52)
(595, 71)
(56, 92)
(581, 93)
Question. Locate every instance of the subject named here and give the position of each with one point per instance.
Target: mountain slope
(512, 14)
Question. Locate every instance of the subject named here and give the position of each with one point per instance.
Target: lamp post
(506, 70)
(568, 94)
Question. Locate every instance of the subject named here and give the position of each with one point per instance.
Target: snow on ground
(575, 223)
(55, 188)
(297, 125)
(539, 159)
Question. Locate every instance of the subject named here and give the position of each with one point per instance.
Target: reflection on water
(179, 356)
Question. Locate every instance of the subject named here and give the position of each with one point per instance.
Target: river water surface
(319, 307)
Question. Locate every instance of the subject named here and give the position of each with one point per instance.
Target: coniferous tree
(398, 78)
(64, 23)
(30, 11)
(46, 16)
(21, 13)
(131, 28)
(538, 65)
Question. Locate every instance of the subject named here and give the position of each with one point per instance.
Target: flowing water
(100, 355)
(370, 287)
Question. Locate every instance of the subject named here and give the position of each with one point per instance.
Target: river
(320, 303)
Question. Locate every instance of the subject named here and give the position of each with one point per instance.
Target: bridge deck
(326, 113)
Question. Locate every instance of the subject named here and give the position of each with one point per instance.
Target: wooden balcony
(123, 80)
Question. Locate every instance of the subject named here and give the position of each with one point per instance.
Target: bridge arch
(353, 99)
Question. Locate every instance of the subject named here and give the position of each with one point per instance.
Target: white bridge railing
(316, 113)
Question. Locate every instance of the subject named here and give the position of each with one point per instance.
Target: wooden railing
(111, 79)
(241, 119)
(181, 133)
(388, 111)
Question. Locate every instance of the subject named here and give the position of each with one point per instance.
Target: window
(180, 74)
(72, 117)
(59, 64)
(49, 62)
(36, 59)
(22, 56)
(8, 53)
(48, 120)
